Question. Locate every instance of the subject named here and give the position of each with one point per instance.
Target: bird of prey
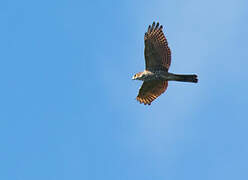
(155, 77)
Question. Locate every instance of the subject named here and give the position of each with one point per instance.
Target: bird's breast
(156, 75)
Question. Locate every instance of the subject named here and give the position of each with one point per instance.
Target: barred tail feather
(186, 78)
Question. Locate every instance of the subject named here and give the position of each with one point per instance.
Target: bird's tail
(185, 78)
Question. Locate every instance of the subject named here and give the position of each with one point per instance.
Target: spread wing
(157, 51)
(150, 90)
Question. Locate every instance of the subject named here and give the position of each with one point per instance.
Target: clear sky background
(67, 101)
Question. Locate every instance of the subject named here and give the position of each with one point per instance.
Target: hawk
(155, 77)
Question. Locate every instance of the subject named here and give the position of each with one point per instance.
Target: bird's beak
(133, 78)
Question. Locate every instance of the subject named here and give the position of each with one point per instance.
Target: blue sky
(68, 108)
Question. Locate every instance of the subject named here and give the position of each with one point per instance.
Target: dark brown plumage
(157, 51)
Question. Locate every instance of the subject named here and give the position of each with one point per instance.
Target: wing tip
(143, 101)
(154, 26)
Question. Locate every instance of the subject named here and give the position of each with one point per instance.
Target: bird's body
(165, 76)
(149, 75)
(158, 60)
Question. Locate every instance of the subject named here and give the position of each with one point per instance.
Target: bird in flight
(155, 77)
